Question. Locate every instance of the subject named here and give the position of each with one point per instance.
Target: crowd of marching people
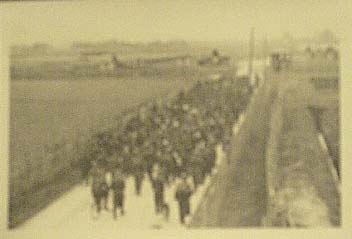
(164, 141)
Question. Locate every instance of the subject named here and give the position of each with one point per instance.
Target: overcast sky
(137, 20)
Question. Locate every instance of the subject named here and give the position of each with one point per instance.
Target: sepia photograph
(172, 115)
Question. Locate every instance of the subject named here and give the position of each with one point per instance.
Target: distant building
(105, 62)
(214, 60)
(329, 51)
(166, 60)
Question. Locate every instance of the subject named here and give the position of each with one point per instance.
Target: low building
(214, 60)
(329, 51)
(105, 62)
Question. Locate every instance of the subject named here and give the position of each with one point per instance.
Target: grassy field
(51, 120)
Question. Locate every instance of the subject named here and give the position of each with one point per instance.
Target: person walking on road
(183, 195)
(99, 186)
(158, 187)
(138, 176)
(118, 189)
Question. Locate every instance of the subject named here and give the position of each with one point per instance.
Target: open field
(77, 70)
(71, 65)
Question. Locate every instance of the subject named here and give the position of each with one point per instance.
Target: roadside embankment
(302, 192)
(237, 194)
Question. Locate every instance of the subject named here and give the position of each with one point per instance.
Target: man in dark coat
(118, 188)
(183, 195)
(138, 174)
(158, 187)
(100, 188)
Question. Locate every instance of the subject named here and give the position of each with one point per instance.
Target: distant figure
(215, 53)
(276, 61)
(183, 195)
(118, 189)
(85, 166)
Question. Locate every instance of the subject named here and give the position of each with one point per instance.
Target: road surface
(74, 212)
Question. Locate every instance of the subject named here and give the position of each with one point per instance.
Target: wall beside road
(302, 192)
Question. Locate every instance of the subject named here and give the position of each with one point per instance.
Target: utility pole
(251, 54)
(265, 55)
(265, 48)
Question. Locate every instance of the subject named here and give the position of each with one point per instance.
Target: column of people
(165, 141)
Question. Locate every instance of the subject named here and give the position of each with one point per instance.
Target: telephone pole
(251, 53)
(265, 54)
